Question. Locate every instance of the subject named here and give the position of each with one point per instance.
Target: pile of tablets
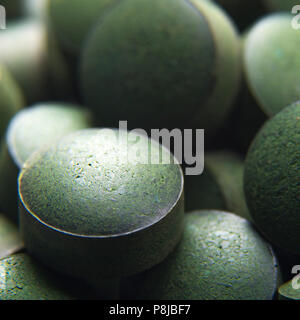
(91, 210)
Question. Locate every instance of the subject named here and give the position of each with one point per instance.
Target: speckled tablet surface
(21, 278)
(97, 186)
(271, 179)
(221, 257)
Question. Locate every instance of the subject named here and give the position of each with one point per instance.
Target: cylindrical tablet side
(119, 255)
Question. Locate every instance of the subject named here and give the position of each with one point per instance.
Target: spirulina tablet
(23, 47)
(41, 124)
(161, 63)
(11, 98)
(281, 5)
(29, 130)
(220, 186)
(271, 179)
(94, 206)
(290, 290)
(72, 20)
(271, 62)
(22, 278)
(221, 257)
(10, 239)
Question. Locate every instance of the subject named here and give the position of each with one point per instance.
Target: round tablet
(40, 125)
(221, 257)
(28, 131)
(271, 179)
(271, 62)
(23, 279)
(281, 5)
(63, 13)
(94, 205)
(220, 186)
(11, 98)
(161, 63)
(10, 239)
(23, 49)
(290, 290)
